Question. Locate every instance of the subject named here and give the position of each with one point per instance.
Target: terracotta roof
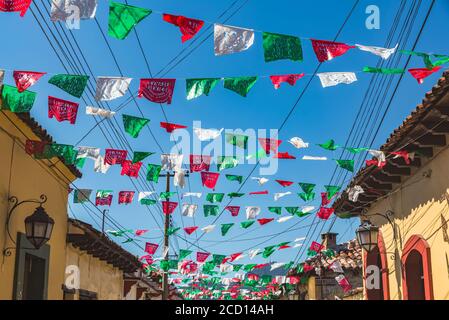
(348, 254)
(98, 245)
(44, 136)
(421, 132)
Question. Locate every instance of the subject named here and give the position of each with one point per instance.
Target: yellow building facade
(408, 199)
(23, 177)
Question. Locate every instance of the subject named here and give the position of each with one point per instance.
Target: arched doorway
(417, 272)
(373, 259)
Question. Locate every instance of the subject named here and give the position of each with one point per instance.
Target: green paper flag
(72, 84)
(141, 155)
(356, 150)
(133, 125)
(268, 251)
(346, 164)
(128, 241)
(276, 210)
(166, 195)
(80, 162)
(249, 267)
(226, 162)
(198, 87)
(232, 177)
(292, 210)
(261, 154)
(383, 70)
(148, 202)
(81, 195)
(266, 279)
(235, 195)
(122, 18)
(217, 259)
(164, 265)
(332, 191)
(240, 85)
(153, 172)
(184, 253)
(237, 140)
(173, 264)
(67, 152)
(15, 101)
(329, 145)
(237, 267)
(215, 197)
(225, 228)
(171, 231)
(280, 47)
(442, 59)
(119, 233)
(247, 224)
(210, 210)
(307, 187)
(307, 196)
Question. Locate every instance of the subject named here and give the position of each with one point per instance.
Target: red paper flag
(168, 207)
(403, 154)
(104, 201)
(130, 169)
(25, 79)
(285, 246)
(202, 256)
(151, 248)
(317, 247)
(209, 179)
(35, 147)
(325, 213)
(376, 163)
(421, 73)
(327, 50)
(253, 277)
(157, 90)
(258, 193)
(170, 127)
(284, 183)
(62, 110)
(324, 199)
(115, 156)
(141, 232)
(289, 78)
(264, 221)
(344, 283)
(234, 210)
(199, 163)
(15, 5)
(283, 155)
(125, 197)
(307, 268)
(188, 27)
(260, 266)
(269, 144)
(294, 279)
(190, 230)
(235, 256)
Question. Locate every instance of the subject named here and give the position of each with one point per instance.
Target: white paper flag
(284, 219)
(66, 10)
(226, 268)
(336, 267)
(384, 53)
(253, 253)
(277, 265)
(300, 239)
(207, 134)
(379, 155)
(208, 228)
(298, 245)
(144, 195)
(279, 195)
(110, 88)
(2, 76)
(179, 180)
(100, 166)
(298, 143)
(310, 158)
(191, 194)
(188, 210)
(307, 209)
(88, 152)
(280, 279)
(252, 212)
(171, 161)
(330, 79)
(353, 193)
(229, 39)
(260, 181)
(92, 111)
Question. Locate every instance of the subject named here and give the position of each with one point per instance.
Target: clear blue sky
(321, 114)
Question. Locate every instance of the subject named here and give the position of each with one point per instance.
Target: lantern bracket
(15, 204)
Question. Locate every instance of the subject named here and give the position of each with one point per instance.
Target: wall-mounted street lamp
(38, 226)
(367, 233)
